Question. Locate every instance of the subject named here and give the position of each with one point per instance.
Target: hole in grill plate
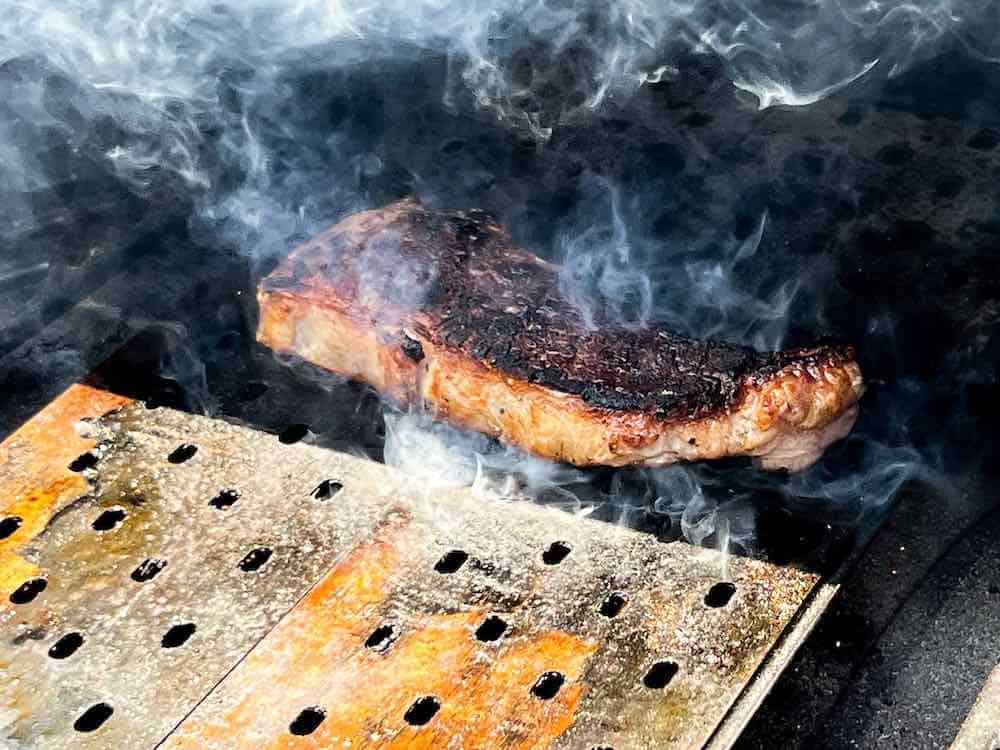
(85, 461)
(660, 675)
(614, 604)
(556, 553)
(381, 638)
(307, 721)
(720, 594)
(422, 711)
(224, 499)
(93, 717)
(8, 525)
(183, 452)
(66, 646)
(293, 433)
(491, 629)
(109, 519)
(547, 685)
(255, 559)
(28, 590)
(327, 489)
(148, 570)
(452, 561)
(178, 635)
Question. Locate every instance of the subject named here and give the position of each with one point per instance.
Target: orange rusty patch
(316, 657)
(35, 479)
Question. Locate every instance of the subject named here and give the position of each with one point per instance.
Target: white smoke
(439, 456)
(189, 87)
(164, 63)
(599, 274)
(613, 275)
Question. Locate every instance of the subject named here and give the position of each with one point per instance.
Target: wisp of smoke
(191, 87)
(167, 67)
(615, 276)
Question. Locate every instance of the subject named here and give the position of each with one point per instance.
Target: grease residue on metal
(288, 638)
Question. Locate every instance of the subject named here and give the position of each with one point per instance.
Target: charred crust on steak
(480, 294)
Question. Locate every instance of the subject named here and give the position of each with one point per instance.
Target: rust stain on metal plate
(35, 479)
(140, 564)
(223, 603)
(317, 656)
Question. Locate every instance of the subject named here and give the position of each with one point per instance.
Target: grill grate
(177, 580)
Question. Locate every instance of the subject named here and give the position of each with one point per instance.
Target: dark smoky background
(774, 174)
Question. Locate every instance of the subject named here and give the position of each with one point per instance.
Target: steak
(443, 311)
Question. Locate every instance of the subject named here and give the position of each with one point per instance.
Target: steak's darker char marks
(500, 305)
(501, 352)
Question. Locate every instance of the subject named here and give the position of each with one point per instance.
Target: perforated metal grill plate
(380, 615)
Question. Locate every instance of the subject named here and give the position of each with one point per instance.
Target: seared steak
(443, 311)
